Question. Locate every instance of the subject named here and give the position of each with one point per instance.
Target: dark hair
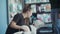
(26, 8)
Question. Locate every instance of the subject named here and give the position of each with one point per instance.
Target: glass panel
(14, 7)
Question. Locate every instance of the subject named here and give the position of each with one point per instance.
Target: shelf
(45, 30)
(39, 3)
(43, 12)
(48, 23)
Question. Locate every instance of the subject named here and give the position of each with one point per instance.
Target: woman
(20, 22)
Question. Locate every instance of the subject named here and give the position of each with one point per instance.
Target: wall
(3, 16)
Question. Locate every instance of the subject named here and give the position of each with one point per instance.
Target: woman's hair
(26, 8)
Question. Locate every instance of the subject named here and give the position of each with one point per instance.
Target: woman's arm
(13, 25)
(24, 27)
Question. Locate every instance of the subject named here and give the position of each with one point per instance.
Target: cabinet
(41, 11)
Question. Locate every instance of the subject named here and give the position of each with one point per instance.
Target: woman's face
(29, 13)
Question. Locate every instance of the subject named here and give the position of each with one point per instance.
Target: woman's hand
(25, 28)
